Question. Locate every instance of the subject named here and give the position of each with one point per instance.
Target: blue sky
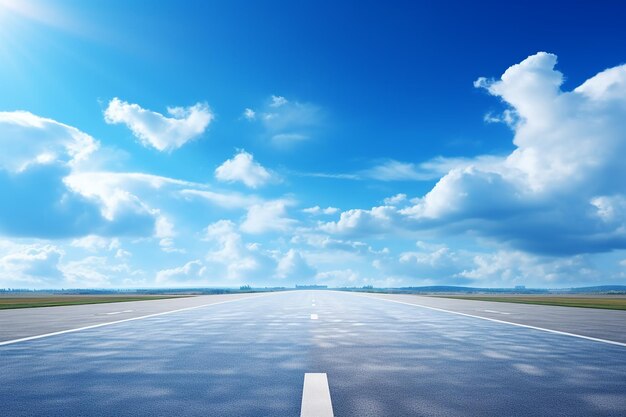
(151, 144)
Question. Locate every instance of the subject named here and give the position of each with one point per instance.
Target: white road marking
(580, 336)
(118, 312)
(313, 305)
(313, 316)
(316, 397)
(94, 326)
(494, 311)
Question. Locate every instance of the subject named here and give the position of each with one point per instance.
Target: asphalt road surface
(248, 356)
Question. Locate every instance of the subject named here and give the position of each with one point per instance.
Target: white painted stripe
(313, 304)
(118, 312)
(316, 397)
(313, 316)
(497, 312)
(580, 336)
(94, 326)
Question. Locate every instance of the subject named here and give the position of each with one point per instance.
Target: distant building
(311, 287)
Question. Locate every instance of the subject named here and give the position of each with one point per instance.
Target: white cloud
(358, 222)
(93, 243)
(125, 212)
(30, 266)
(161, 132)
(398, 171)
(287, 122)
(249, 114)
(121, 254)
(294, 266)
(191, 272)
(243, 168)
(164, 228)
(392, 170)
(27, 139)
(164, 231)
(510, 268)
(270, 216)
(319, 240)
(395, 200)
(432, 264)
(317, 210)
(34, 169)
(96, 271)
(278, 101)
(123, 199)
(228, 200)
(231, 258)
(289, 138)
(558, 192)
(338, 278)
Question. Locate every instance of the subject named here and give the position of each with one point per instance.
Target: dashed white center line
(316, 397)
(497, 312)
(313, 305)
(313, 316)
(119, 312)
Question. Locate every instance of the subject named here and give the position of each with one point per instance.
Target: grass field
(611, 303)
(67, 300)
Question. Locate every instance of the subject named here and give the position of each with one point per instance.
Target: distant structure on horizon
(311, 287)
(520, 287)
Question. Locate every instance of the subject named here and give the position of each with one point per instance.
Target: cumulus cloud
(338, 277)
(243, 168)
(96, 271)
(359, 222)
(320, 240)
(294, 266)
(510, 268)
(249, 114)
(561, 188)
(27, 140)
(395, 200)
(285, 121)
(30, 265)
(156, 130)
(93, 243)
(278, 101)
(269, 216)
(429, 264)
(317, 210)
(191, 272)
(116, 196)
(231, 258)
(38, 158)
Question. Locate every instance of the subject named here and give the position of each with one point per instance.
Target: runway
(249, 357)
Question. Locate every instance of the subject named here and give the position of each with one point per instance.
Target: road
(249, 356)
(27, 322)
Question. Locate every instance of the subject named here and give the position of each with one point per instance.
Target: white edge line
(94, 326)
(595, 339)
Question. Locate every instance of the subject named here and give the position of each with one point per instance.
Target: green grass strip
(69, 300)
